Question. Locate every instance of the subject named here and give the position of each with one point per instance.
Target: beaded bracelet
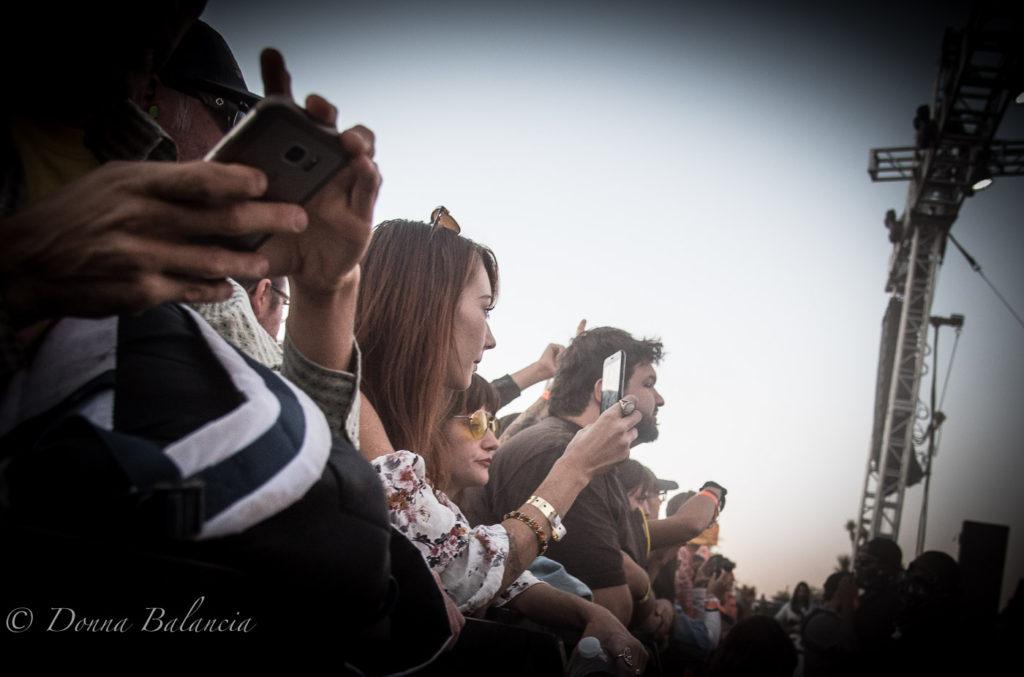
(542, 540)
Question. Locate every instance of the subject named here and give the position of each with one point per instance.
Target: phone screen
(613, 379)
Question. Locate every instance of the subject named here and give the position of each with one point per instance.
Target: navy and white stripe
(254, 460)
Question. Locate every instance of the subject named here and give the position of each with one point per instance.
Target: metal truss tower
(981, 70)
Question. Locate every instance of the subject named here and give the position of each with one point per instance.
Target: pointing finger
(276, 79)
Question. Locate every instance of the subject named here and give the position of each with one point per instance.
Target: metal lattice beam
(887, 475)
(981, 70)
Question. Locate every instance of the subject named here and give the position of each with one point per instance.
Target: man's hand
(130, 235)
(704, 574)
(340, 214)
(547, 364)
(661, 621)
(541, 370)
(627, 651)
(721, 585)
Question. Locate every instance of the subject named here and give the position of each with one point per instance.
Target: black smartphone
(613, 379)
(297, 154)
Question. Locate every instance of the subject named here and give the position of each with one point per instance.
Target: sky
(697, 174)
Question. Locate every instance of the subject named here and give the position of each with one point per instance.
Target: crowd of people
(352, 484)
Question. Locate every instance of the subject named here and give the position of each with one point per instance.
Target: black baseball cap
(203, 66)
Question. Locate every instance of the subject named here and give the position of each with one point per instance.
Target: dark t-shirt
(597, 526)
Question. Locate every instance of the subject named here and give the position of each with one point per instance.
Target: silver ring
(627, 408)
(626, 656)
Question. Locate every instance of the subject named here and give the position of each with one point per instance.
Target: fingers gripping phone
(298, 155)
(613, 379)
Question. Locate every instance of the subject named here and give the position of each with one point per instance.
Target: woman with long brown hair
(422, 327)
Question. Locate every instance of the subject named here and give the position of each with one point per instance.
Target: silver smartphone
(298, 155)
(613, 379)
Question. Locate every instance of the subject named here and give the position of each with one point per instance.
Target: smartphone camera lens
(295, 154)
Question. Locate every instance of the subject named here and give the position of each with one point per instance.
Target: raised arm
(696, 515)
(557, 609)
(322, 263)
(323, 266)
(541, 370)
(595, 448)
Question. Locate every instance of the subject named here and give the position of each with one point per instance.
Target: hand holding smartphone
(298, 155)
(613, 379)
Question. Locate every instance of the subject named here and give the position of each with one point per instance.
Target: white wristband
(557, 529)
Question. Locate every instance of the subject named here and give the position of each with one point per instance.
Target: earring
(154, 112)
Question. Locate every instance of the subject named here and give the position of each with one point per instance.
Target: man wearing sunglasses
(114, 241)
(199, 95)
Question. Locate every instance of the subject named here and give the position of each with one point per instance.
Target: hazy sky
(697, 174)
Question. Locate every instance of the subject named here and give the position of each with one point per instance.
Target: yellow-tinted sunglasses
(480, 421)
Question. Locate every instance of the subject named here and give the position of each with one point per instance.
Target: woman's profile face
(637, 498)
(472, 335)
(652, 507)
(470, 458)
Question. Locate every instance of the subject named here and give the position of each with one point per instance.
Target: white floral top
(469, 560)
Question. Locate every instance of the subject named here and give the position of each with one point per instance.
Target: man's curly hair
(580, 366)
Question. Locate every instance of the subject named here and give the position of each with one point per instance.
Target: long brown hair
(412, 278)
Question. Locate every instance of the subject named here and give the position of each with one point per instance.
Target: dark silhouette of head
(878, 564)
(757, 645)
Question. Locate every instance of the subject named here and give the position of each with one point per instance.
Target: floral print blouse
(469, 560)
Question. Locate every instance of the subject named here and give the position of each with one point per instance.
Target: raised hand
(131, 235)
(340, 214)
(606, 441)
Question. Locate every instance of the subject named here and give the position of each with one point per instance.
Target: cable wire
(977, 268)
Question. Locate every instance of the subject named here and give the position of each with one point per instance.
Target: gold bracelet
(542, 540)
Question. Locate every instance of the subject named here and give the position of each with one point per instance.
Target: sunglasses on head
(442, 218)
(480, 421)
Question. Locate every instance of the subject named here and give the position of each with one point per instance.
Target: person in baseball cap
(199, 93)
(203, 67)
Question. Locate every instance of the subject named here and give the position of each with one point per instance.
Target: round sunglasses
(480, 421)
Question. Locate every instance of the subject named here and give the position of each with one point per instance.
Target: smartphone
(720, 563)
(613, 379)
(297, 154)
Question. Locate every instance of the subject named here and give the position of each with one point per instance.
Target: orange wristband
(712, 497)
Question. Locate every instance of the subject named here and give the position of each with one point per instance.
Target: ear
(260, 298)
(597, 391)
